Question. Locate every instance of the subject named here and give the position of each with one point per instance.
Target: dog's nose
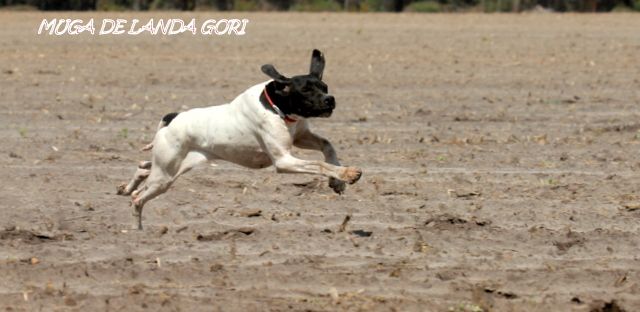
(330, 101)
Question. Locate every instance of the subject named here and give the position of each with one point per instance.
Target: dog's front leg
(289, 164)
(278, 144)
(309, 140)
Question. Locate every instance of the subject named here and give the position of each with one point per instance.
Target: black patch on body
(166, 120)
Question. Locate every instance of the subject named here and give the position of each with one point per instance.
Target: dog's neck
(276, 102)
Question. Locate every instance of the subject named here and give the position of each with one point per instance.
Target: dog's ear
(317, 64)
(271, 71)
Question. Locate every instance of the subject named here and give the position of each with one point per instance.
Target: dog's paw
(122, 189)
(147, 147)
(351, 175)
(337, 185)
(134, 194)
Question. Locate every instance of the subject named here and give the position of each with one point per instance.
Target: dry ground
(500, 158)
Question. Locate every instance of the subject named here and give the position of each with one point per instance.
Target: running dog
(257, 129)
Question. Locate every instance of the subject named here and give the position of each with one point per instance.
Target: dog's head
(303, 95)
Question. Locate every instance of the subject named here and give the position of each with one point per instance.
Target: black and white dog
(256, 130)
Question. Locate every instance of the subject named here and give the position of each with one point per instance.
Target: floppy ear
(317, 64)
(271, 71)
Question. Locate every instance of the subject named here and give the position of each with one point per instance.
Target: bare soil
(500, 159)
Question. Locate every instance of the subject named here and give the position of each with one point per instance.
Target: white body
(231, 132)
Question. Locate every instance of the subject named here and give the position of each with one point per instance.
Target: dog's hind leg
(158, 182)
(162, 175)
(142, 172)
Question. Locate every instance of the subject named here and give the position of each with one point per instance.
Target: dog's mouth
(326, 113)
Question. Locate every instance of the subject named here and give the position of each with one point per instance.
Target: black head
(303, 95)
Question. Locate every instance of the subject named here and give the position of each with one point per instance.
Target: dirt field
(500, 159)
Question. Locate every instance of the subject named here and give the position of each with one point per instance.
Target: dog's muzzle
(329, 104)
(329, 101)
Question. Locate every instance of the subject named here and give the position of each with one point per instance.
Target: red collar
(275, 108)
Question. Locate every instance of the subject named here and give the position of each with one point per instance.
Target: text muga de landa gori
(171, 26)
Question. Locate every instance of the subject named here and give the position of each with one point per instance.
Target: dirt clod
(606, 306)
(240, 232)
(343, 225)
(251, 213)
(361, 233)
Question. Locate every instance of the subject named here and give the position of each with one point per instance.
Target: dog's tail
(165, 121)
